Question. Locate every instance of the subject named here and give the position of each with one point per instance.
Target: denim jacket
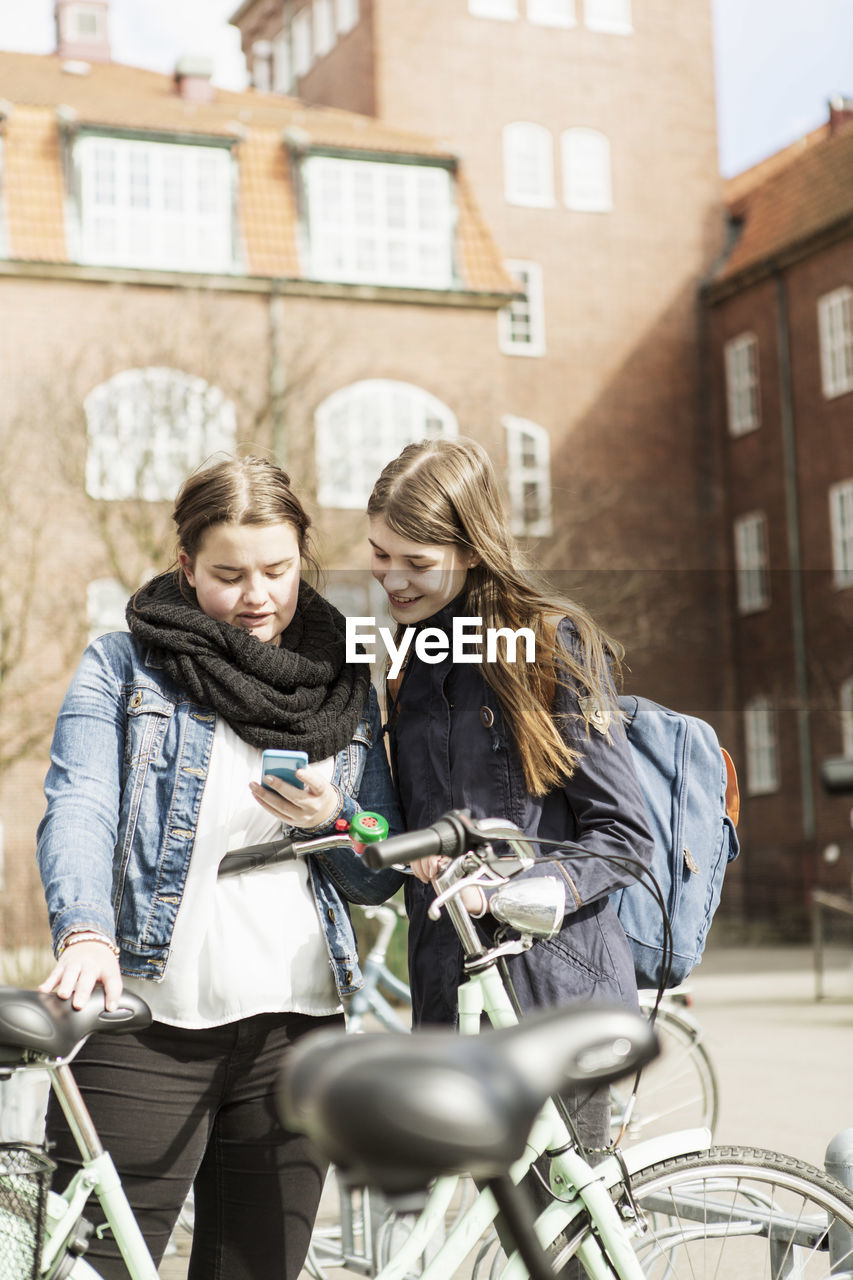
(129, 759)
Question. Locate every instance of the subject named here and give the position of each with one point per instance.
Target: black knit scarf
(298, 694)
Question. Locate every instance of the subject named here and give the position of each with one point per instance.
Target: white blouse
(248, 944)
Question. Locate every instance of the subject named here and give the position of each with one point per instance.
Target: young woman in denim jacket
(155, 773)
(539, 743)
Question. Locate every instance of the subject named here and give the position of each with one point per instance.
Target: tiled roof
(114, 96)
(808, 196)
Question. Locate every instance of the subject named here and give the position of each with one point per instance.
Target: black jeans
(178, 1108)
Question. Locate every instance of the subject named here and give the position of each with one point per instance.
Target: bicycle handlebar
(446, 838)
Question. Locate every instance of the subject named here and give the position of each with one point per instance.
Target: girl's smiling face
(419, 578)
(247, 575)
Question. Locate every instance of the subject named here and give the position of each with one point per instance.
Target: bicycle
(637, 1214)
(669, 1208)
(679, 1089)
(44, 1234)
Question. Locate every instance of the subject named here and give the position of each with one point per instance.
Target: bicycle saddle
(33, 1022)
(396, 1111)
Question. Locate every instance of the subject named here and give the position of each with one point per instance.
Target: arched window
(362, 427)
(528, 164)
(528, 449)
(587, 181)
(148, 428)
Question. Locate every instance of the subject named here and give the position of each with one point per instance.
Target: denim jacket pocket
(148, 715)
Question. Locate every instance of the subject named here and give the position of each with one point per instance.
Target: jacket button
(348, 977)
(136, 700)
(487, 716)
(331, 914)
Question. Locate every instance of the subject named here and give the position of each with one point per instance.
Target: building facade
(588, 130)
(177, 281)
(780, 346)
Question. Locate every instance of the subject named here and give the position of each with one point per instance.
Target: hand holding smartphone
(283, 764)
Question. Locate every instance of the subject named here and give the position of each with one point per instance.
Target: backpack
(690, 789)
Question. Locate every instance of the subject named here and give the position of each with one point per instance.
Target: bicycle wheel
(734, 1213)
(678, 1090)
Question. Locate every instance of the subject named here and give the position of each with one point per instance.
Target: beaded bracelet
(88, 935)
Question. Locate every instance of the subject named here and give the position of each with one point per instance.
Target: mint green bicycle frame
(583, 1191)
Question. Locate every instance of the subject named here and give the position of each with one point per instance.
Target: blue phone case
(283, 764)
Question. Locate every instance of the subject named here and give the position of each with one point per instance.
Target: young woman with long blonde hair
(539, 743)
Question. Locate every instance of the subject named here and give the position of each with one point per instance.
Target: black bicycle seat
(31, 1022)
(396, 1111)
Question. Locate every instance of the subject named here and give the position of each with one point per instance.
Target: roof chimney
(193, 78)
(840, 112)
(82, 30)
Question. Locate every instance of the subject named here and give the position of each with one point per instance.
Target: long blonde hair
(446, 492)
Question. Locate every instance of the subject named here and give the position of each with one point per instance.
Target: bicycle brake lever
(476, 878)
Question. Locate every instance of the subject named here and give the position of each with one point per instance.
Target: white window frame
(841, 527)
(361, 427)
(372, 222)
(301, 33)
(155, 205)
(552, 13)
(324, 30)
(762, 747)
(346, 16)
(743, 384)
(282, 62)
(500, 10)
(752, 563)
(149, 428)
(845, 702)
(528, 452)
(835, 330)
(524, 314)
(528, 155)
(587, 170)
(71, 28)
(610, 16)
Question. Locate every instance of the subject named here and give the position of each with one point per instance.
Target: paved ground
(785, 1062)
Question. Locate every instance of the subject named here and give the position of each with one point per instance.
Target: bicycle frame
(588, 1189)
(98, 1176)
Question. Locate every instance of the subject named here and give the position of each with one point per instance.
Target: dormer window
(82, 29)
(370, 222)
(144, 203)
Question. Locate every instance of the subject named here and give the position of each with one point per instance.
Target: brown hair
(247, 490)
(446, 492)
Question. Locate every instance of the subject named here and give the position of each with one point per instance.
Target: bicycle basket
(24, 1183)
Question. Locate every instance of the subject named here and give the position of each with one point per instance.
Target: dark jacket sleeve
(604, 798)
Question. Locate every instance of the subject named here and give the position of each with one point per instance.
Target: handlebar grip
(258, 855)
(446, 837)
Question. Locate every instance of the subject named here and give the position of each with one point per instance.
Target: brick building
(588, 130)
(780, 347)
(167, 291)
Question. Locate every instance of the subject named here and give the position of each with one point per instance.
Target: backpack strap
(732, 789)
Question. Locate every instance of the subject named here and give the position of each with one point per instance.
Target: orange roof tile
(114, 96)
(33, 187)
(812, 193)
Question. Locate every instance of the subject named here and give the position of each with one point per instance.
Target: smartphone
(283, 764)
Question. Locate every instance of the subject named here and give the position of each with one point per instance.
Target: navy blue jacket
(450, 749)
